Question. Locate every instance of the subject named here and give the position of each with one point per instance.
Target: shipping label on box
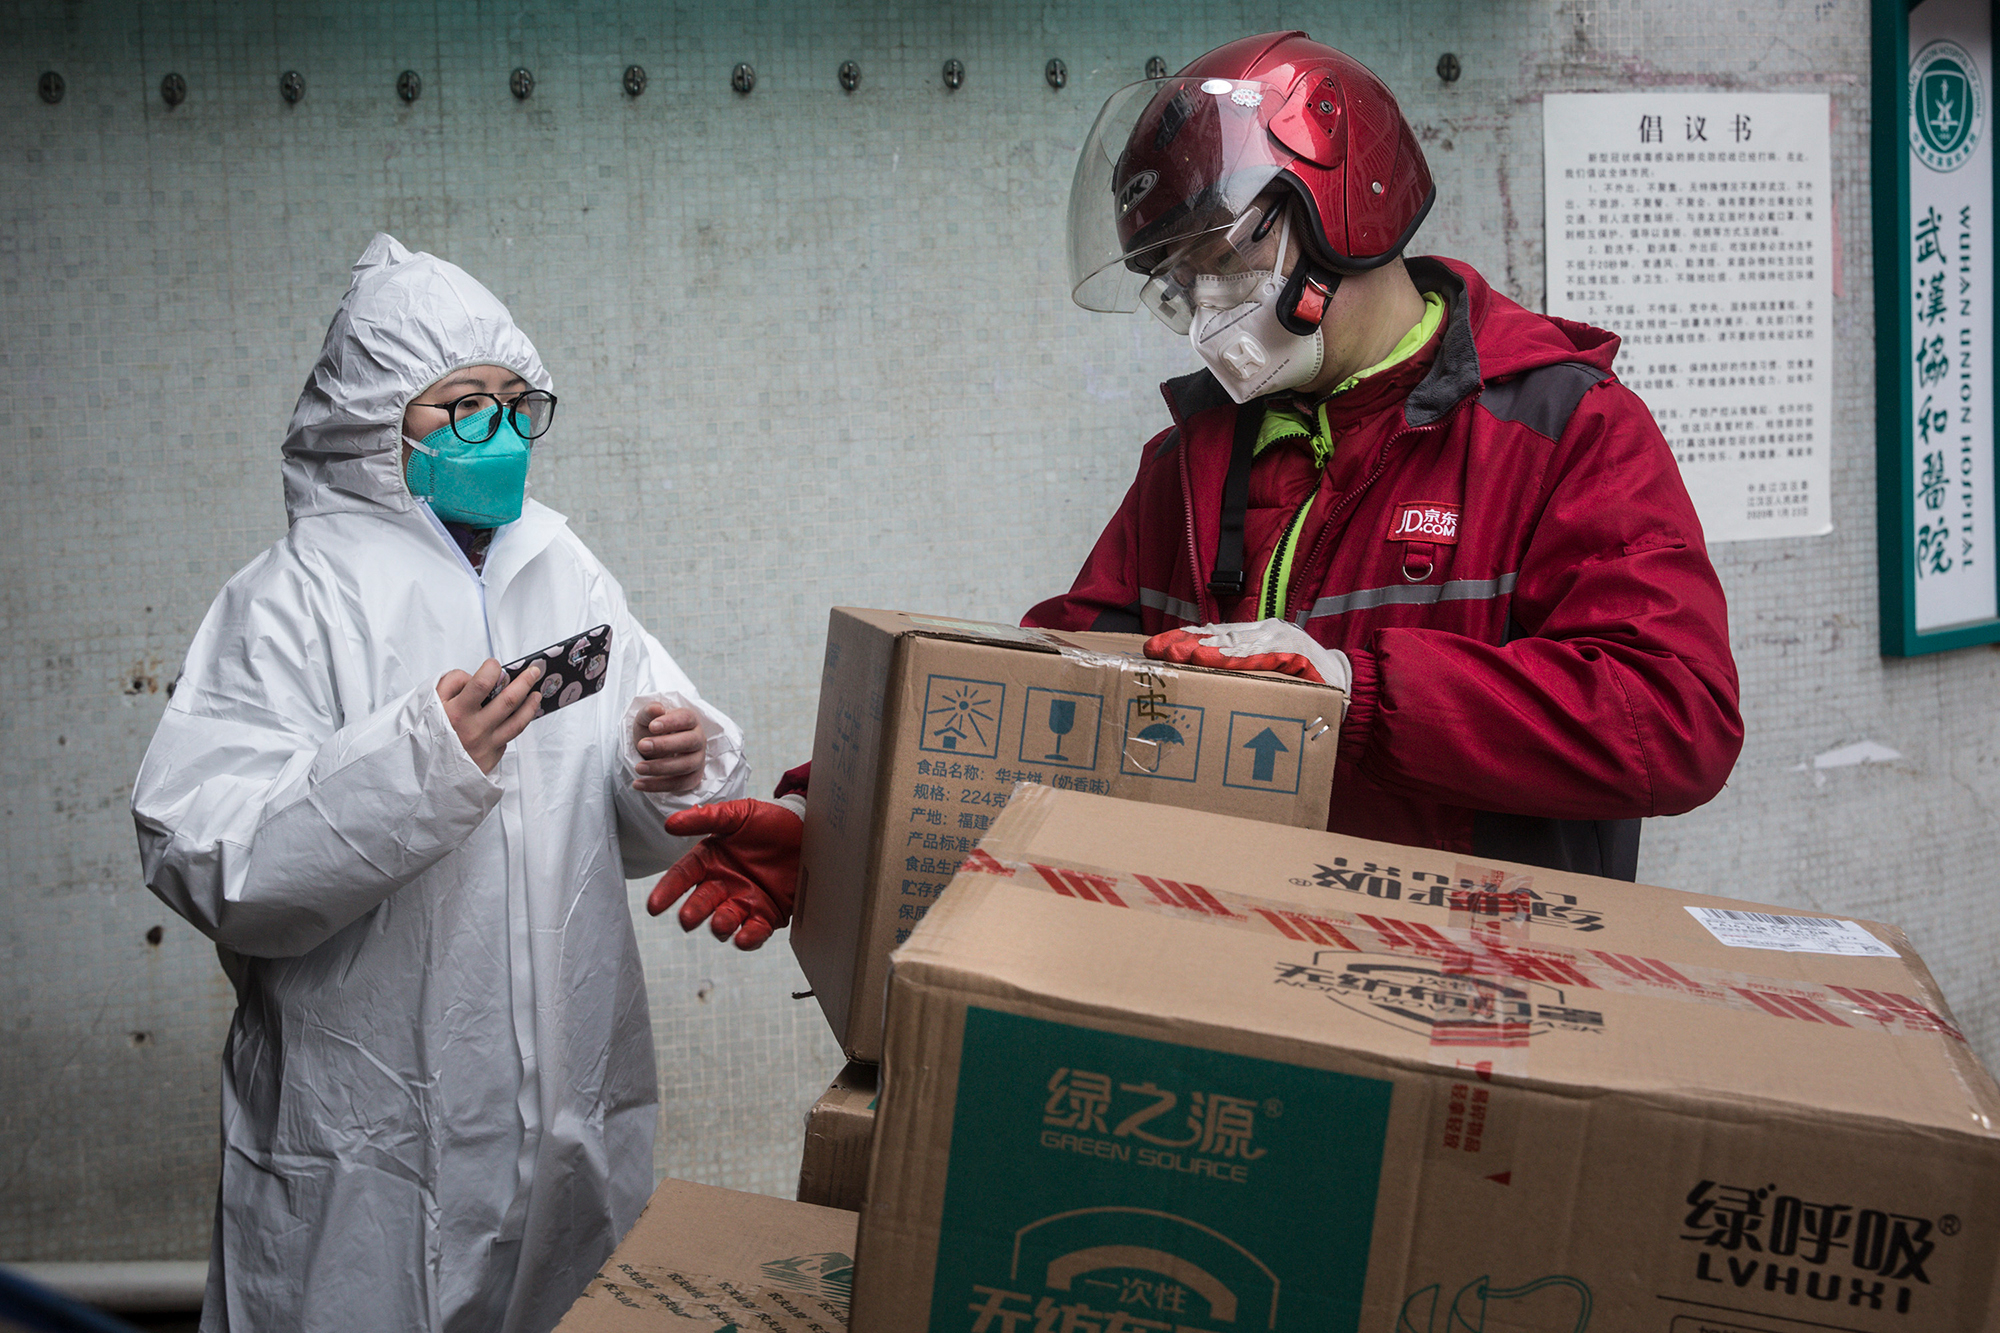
(1181, 1087)
(927, 724)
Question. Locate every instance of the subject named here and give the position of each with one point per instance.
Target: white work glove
(1258, 645)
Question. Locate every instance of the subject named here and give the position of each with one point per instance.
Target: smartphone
(572, 668)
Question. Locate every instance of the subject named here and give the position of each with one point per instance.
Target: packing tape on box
(1091, 657)
(1461, 953)
(1491, 905)
(1149, 680)
(1138, 677)
(982, 632)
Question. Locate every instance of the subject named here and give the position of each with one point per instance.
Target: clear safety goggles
(1218, 269)
(1167, 181)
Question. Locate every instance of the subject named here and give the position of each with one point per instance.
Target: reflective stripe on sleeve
(1173, 606)
(1407, 594)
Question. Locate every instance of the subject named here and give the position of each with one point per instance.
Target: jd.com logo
(1435, 523)
(1947, 106)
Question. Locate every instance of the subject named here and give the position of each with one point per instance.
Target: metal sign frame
(1895, 464)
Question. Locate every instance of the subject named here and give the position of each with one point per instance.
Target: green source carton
(1151, 1070)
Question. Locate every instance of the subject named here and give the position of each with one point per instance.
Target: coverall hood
(408, 319)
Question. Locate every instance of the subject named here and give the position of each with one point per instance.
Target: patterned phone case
(572, 669)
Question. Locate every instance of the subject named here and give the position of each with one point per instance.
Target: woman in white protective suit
(438, 1092)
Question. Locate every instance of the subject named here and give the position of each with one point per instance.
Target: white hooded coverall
(438, 1092)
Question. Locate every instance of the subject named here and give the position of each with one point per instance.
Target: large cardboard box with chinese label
(701, 1259)
(1168, 1071)
(926, 724)
(840, 1127)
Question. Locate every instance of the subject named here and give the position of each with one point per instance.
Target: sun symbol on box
(962, 716)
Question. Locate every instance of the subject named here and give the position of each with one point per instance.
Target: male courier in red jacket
(1390, 477)
(1450, 497)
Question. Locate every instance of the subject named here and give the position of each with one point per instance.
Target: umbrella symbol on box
(1162, 741)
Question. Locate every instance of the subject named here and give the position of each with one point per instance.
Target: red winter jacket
(1540, 645)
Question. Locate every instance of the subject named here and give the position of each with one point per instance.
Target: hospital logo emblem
(1947, 107)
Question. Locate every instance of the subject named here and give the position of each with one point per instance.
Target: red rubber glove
(1259, 645)
(744, 872)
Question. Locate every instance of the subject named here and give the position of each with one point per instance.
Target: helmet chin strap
(1308, 292)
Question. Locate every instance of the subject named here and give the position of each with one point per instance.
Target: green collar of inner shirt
(1284, 423)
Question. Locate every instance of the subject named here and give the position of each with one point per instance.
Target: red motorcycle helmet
(1173, 168)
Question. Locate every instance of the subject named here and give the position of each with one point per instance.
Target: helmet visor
(1169, 162)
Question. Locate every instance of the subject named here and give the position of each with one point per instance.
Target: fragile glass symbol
(1062, 720)
(964, 712)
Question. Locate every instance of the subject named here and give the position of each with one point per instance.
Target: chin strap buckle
(1302, 305)
(1313, 296)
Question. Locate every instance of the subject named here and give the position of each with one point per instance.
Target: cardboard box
(926, 724)
(1167, 1071)
(840, 1128)
(701, 1258)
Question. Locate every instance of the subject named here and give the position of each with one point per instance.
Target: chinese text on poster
(1697, 227)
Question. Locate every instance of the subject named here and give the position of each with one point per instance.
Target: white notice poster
(1696, 225)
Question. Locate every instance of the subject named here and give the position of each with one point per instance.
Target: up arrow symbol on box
(1267, 747)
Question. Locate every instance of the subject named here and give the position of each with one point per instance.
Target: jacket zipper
(1194, 556)
(1271, 605)
(478, 578)
(1275, 596)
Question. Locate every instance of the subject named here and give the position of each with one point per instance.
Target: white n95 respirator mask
(1237, 332)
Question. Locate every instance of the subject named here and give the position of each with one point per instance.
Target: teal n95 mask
(480, 484)
(1236, 331)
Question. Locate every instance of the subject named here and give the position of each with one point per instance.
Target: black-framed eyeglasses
(475, 418)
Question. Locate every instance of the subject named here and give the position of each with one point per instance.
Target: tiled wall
(814, 348)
